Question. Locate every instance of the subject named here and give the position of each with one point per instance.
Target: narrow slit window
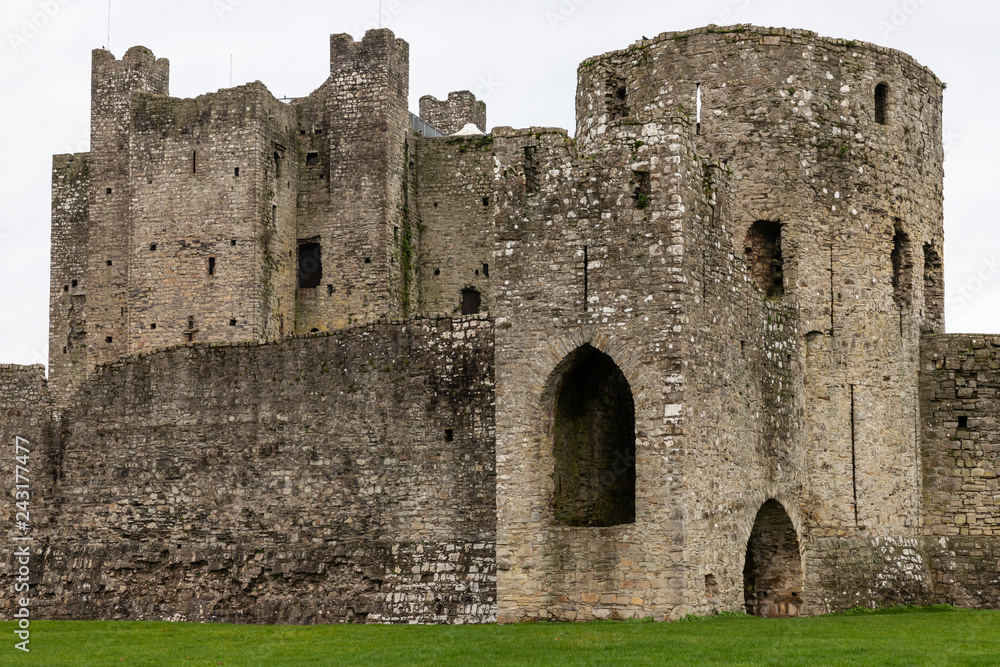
(236, 172)
(310, 265)
(881, 99)
(641, 189)
(211, 266)
(698, 110)
(531, 182)
(277, 165)
(901, 267)
(486, 270)
(194, 162)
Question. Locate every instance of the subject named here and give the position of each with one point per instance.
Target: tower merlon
(454, 113)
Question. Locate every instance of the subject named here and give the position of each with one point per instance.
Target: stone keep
(317, 360)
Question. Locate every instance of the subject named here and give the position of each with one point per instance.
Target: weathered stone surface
(687, 361)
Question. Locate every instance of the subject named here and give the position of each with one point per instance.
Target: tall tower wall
(68, 339)
(113, 85)
(804, 393)
(361, 115)
(212, 249)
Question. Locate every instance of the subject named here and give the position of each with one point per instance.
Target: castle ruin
(323, 360)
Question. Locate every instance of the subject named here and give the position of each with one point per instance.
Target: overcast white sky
(518, 55)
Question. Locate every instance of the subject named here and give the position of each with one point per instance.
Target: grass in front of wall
(932, 636)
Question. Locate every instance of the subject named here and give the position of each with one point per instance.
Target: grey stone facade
(309, 365)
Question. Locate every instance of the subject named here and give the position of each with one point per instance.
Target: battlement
(451, 115)
(377, 48)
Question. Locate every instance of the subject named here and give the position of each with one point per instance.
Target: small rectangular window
(237, 172)
(232, 323)
(963, 422)
(211, 266)
(449, 435)
(312, 159)
(109, 262)
(152, 246)
(486, 270)
(74, 282)
(153, 325)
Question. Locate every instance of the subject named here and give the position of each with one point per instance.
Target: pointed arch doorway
(772, 573)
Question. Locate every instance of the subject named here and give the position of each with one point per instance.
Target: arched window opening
(881, 98)
(617, 96)
(594, 443)
(902, 266)
(764, 261)
(772, 573)
(933, 291)
(471, 301)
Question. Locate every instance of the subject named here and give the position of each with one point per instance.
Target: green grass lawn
(925, 637)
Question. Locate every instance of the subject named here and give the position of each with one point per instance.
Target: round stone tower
(789, 189)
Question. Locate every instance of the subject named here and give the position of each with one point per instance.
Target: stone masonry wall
(212, 249)
(789, 120)
(347, 477)
(113, 85)
(25, 413)
(960, 415)
(455, 206)
(68, 268)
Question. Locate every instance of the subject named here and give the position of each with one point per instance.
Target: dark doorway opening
(471, 301)
(772, 574)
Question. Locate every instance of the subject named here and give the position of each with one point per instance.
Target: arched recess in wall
(772, 573)
(933, 290)
(593, 439)
(902, 267)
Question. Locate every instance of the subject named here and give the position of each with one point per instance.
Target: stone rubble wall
(347, 477)
(960, 415)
